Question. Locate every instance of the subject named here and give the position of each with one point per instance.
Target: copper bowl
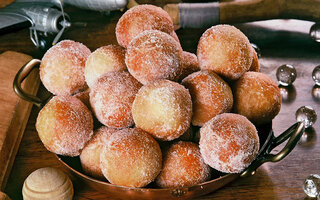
(268, 142)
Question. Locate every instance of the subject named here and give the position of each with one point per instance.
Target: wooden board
(14, 112)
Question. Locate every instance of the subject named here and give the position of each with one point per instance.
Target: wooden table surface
(280, 41)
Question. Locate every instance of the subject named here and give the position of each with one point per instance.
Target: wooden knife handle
(254, 10)
(234, 11)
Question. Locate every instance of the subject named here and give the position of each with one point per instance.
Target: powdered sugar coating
(64, 125)
(62, 68)
(90, 154)
(111, 99)
(84, 98)
(103, 60)
(153, 55)
(255, 66)
(131, 157)
(175, 36)
(189, 64)
(225, 50)
(257, 97)
(163, 109)
(229, 142)
(210, 94)
(141, 18)
(183, 166)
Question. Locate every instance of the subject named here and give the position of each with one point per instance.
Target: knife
(203, 15)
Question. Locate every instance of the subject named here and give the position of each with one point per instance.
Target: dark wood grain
(280, 42)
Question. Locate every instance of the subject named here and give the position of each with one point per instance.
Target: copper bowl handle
(294, 134)
(20, 76)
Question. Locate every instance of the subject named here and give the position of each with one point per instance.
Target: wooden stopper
(47, 183)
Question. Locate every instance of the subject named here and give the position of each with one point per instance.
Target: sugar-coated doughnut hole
(62, 68)
(153, 55)
(163, 109)
(255, 66)
(64, 125)
(189, 64)
(131, 158)
(229, 142)
(225, 50)
(257, 97)
(183, 166)
(111, 98)
(84, 98)
(141, 18)
(210, 94)
(90, 154)
(103, 60)
(175, 36)
(187, 135)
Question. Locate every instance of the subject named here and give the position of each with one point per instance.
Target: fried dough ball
(62, 68)
(163, 109)
(141, 18)
(225, 50)
(84, 98)
(183, 166)
(189, 64)
(111, 99)
(257, 97)
(64, 125)
(229, 142)
(103, 60)
(153, 55)
(175, 36)
(131, 158)
(90, 154)
(210, 96)
(255, 66)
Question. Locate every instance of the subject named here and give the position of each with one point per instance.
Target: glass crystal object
(315, 32)
(257, 49)
(311, 185)
(316, 75)
(307, 115)
(286, 74)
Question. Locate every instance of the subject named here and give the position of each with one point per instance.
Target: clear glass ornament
(316, 75)
(311, 185)
(286, 74)
(315, 32)
(307, 115)
(257, 49)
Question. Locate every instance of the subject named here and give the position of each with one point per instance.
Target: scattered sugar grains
(141, 18)
(111, 98)
(90, 154)
(163, 109)
(225, 50)
(62, 68)
(229, 142)
(64, 125)
(104, 59)
(210, 94)
(153, 55)
(183, 166)
(257, 97)
(131, 157)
